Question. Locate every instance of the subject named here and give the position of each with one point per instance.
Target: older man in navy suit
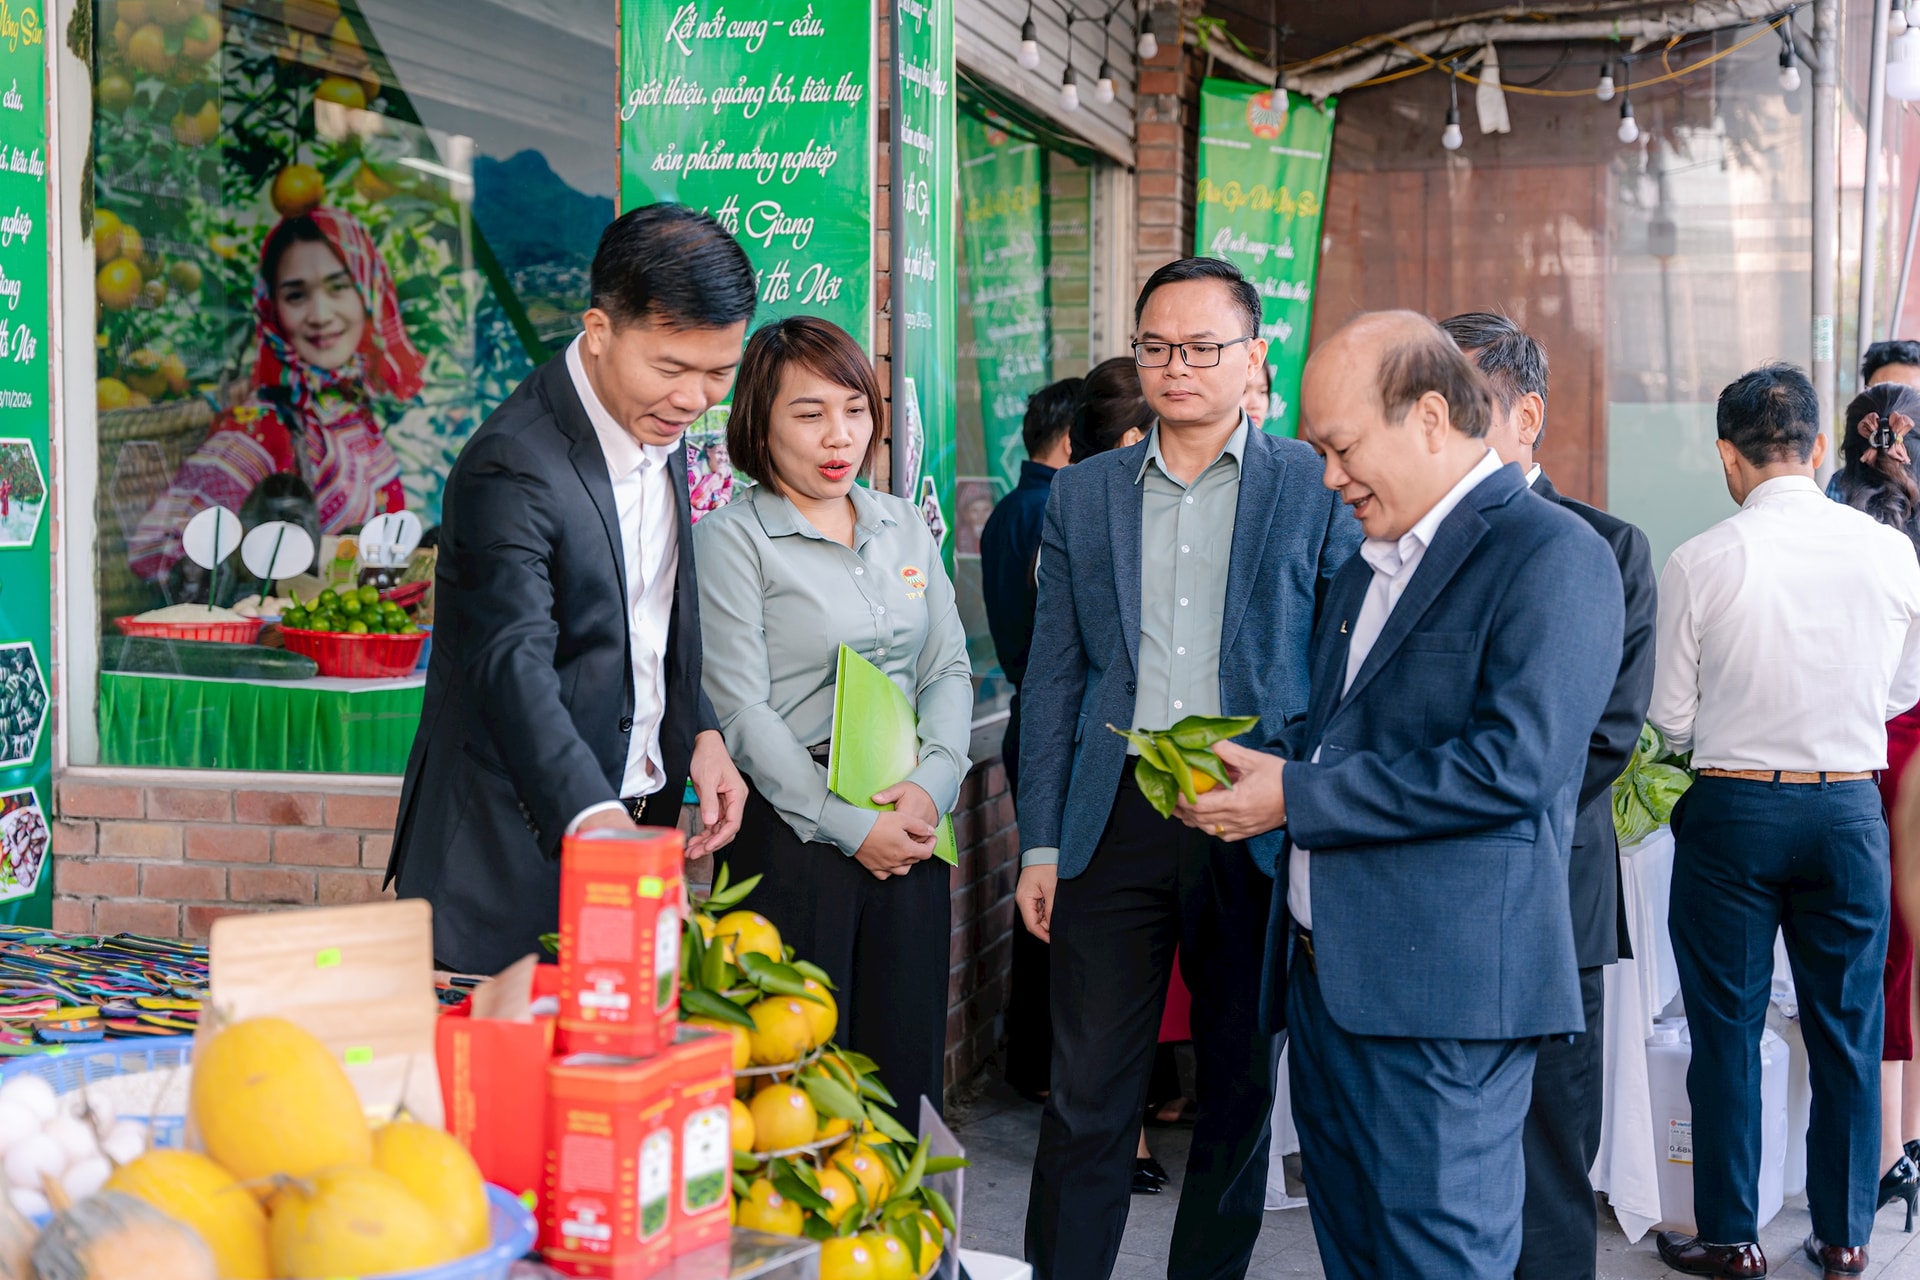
(1178, 577)
(1424, 942)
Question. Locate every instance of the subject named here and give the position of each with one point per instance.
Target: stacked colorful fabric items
(59, 989)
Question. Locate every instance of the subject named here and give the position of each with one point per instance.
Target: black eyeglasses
(1197, 355)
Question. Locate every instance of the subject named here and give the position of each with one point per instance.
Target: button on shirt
(1186, 550)
(1789, 635)
(650, 547)
(778, 598)
(1394, 564)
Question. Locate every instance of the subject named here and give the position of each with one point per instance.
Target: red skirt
(1903, 737)
(1176, 1018)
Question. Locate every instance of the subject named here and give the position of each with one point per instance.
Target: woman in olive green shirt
(803, 562)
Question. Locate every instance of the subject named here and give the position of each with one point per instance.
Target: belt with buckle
(1303, 945)
(1797, 776)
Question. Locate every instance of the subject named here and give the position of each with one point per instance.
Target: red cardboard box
(608, 1207)
(620, 894)
(703, 1118)
(490, 1070)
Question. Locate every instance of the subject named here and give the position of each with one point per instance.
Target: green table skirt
(311, 726)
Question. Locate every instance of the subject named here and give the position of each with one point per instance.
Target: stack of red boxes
(633, 1163)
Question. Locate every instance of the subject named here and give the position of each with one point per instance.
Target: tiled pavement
(1000, 1130)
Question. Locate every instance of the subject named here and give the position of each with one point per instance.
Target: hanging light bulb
(1103, 84)
(1149, 46)
(1282, 100)
(1897, 18)
(1029, 43)
(1069, 92)
(1629, 127)
(1903, 66)
(1451, 137)
(1789, 72)
(1604, 90)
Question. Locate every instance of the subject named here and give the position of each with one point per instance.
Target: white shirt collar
(624, 454)
(1780, 486)
(1388, 557)
(1533, 476)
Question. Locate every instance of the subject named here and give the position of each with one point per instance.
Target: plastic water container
(1669, 1051)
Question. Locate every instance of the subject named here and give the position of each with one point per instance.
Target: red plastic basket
(243, 631)
(357, 657)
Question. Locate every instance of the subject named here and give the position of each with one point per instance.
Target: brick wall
(984, 917)
(170, 860)
(1165, 144)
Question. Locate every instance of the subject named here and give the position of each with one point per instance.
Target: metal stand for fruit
(749, 1255)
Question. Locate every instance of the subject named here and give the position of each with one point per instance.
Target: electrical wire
(1429, 63)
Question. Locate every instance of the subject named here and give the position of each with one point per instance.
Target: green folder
(876, 741)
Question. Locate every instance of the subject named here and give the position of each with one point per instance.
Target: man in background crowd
(1179, 577)
(1789, 635)
(1562, 1135)
(1894, 361)
(1009, 555)
(1460, 665)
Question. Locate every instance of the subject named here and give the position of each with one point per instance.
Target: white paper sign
(276, 550)
(388, 540)
(211, 536)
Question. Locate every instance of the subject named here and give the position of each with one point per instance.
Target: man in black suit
(1562, 1134)
(564, 689)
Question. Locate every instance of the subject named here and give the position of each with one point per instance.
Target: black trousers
(1559, 1223)
(1154, 883)
(883, 942)
(1750, 859)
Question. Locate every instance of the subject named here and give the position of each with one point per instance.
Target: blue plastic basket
(72, 1068)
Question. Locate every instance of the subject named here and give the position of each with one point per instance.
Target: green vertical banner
(26, 558)
(760, 113)
(1006, 239)
(924, 306)
(1263, 180)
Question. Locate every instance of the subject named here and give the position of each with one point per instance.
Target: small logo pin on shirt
(1343, 626)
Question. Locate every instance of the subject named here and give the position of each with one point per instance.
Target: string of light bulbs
(1146, 47)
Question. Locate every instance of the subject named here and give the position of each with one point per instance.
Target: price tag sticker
(327, 959)
(358, 1056)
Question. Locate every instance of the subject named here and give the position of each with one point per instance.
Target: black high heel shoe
(1902, 1182)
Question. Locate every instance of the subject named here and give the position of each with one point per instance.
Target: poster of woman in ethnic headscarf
(298, 316)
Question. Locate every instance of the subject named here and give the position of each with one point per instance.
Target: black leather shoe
(1152, 1170)
(1902, 1182)
(1697, 1258)
(1836, 1260)
(1144, 1183)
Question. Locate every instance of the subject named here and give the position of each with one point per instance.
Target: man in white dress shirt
(564, 689)
(1789, 635)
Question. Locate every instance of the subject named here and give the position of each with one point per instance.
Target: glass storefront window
(1027, 318)
(330, 237)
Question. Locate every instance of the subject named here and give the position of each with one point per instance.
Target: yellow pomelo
(742, 1126)
(848, 1258)
(823, 1019)
(189, 1188)
(433, 1165)
(269, 1099)
(742, 1039)
(767, 1210)
(932, 1234)
(831, 1127)
(747, 931)
(864, 1165)
(783, 1118)
(350, 1221)
(890, 1257)
(781, 1032)
(839, 1191)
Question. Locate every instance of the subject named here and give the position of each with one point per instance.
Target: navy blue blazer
(1440, 813)
(1290, 536)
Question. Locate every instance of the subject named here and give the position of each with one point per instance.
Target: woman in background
(330, 339)
(1877, 478)
(1259, 397)
(808, 561)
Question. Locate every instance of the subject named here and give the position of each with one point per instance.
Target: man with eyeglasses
(1178, 577)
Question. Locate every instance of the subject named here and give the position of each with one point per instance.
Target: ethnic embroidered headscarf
(387, 361)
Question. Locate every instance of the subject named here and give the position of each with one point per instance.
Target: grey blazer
(1291, 535)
